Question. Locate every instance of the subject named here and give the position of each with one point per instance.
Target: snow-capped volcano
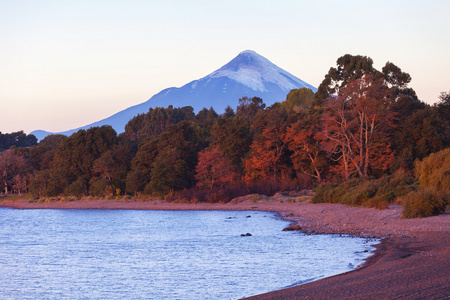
(248, 74)
(253, 71)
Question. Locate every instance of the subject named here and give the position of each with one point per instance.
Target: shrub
(334, 193)
(376, 193)
(215, 195)
(219, 195)
(378, 202)
(394, 186)
(425, 202)
(434, 171)
(360, 193)
(269, 187)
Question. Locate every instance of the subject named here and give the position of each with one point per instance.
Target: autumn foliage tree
(307, 142)
(356, 123)
(214, 169)
(266, 159)
(269, 157)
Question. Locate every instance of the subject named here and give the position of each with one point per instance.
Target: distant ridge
(248, 74)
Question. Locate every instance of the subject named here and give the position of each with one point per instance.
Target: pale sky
(69, 63)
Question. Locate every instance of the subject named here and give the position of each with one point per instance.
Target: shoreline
(411, 261)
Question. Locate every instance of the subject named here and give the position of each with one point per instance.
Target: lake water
(136, 254)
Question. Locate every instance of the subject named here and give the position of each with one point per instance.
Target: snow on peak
(254, 71)
(249, 52)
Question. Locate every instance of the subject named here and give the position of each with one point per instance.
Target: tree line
(16, 139)
(362, 123)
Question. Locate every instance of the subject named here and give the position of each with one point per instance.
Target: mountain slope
(248, 74)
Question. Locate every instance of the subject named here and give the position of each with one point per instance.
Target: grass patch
(15, 197)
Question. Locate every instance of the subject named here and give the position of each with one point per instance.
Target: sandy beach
(411, 262)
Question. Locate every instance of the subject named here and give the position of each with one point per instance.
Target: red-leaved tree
(267, 154)
(306, 141)
(356, 125)
(214, 169)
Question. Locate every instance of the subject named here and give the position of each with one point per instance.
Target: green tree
(419, 135)
(353, 67)
(123, 153)
(170, 172)
(443, 107)
(46, 183)
(104, 168)
(349, 68)
(274, 116)
(299, 99)
(233, 136)
(174, 165)
(76, 188)
(17, 139)
(395, 77)
(112, 166)
(141, 166)
(76, 155)
(156, 121)
(42, 155)
(228, 113)
(249, 107)
(206, 118)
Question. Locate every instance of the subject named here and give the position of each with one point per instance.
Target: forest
(364, 138)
